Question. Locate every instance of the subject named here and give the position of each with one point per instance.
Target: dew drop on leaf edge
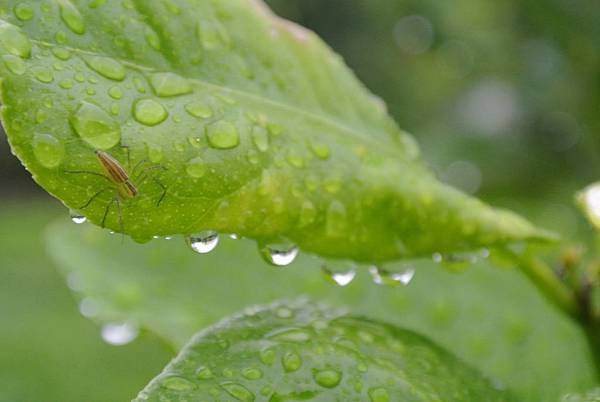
(279, 254)
(203, 242)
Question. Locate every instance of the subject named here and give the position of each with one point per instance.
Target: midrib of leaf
(339, 127)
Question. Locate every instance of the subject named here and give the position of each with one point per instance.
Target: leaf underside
(301, 352)
(492, 318)
(251, 124)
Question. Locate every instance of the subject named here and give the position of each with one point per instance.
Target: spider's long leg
(106, 212)
(87, 204)
(148, 169)
(87, 172)
(158, 183)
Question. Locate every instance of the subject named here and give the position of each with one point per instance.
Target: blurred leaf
(262, 129)
(591, 396)
(301, 352)
(589, 202)
(494, 319)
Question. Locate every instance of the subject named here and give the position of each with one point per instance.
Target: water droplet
(290, 335)
(196, 168)
(336, 219)
(223, 135)
(48, 150)
(284, 312)
(204, 373)
(152, 38)
(149, 112)
(328, 378)
(341, 278)
(320, 150)
(43, 74)
(267, 356)
(252, 373)
(15, 64)
(379, 395)
(308, 213)
(88, 308)
(115, 92)
(291, 361)
(212, 35)
(295, 159)
(106, 67)
(383, 277)
(203, 242)
(155, 153)
(139, 85)
(175, 383)
(61, 53)
(119, 333)
(95, 126)
(260, 137)
(238, 391)
(61, 37)
(199, 109)
(227, 372)
(71, 17)
(459, 262)
(23, 11)
(169, 84)
(274, 129)
(77, 217)
(66, 84)
(280, 254)
(14, 40)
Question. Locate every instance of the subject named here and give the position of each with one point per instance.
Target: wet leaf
(299, 352)
(494, 319)
(249, 122)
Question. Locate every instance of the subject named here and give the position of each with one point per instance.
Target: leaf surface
(495, 319)
(248, 122)
(300, 352)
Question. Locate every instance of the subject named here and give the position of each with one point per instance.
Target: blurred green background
(503, 97)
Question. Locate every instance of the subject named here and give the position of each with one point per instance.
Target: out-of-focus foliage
(48, 351)
(493, 318)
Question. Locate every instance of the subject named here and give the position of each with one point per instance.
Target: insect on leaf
(250, 123)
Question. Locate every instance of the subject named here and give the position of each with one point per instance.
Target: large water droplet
(291, 361)
(379, 395)
(14, 40)
(238, 391)
(384, 277)
(71, 17)
(260, 137)
(203, 242)
(199, 109)
(23, 11)
(107, 67)
(169, 84)
(279, 254)
(340, 277)
(77, 217)
(95, 126)
(176, 383)
(328, 378)
(196, 168)
(149, 112)
(267, 356)
(48, 150)
(223, 135)
(119, 333)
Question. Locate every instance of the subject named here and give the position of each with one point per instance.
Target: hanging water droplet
(77, 217)
(328, 378)
(238, 391)
(149, 112)
(14, 40)
(203, 242)
(260, 137)
(71, 17)
(107, 67)
(291, 361)
(379, 395)
(384, 277)
(23, 11)
(222, 135)
(196, 168)
(169, 84)
(234, 236)
(119, 333)
(341, 278)
(95, 126)
(279, 254)
(48, 150)
(459, 262)
(88, 308)
(199, 109)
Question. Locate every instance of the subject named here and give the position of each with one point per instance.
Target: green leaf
(591, 396)
(262, 130)
(297, 352)
(494, 319)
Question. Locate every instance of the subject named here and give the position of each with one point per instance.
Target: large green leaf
(262, 129)
(494, 319)
(300, 352)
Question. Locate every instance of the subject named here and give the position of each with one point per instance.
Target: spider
(121, 183)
